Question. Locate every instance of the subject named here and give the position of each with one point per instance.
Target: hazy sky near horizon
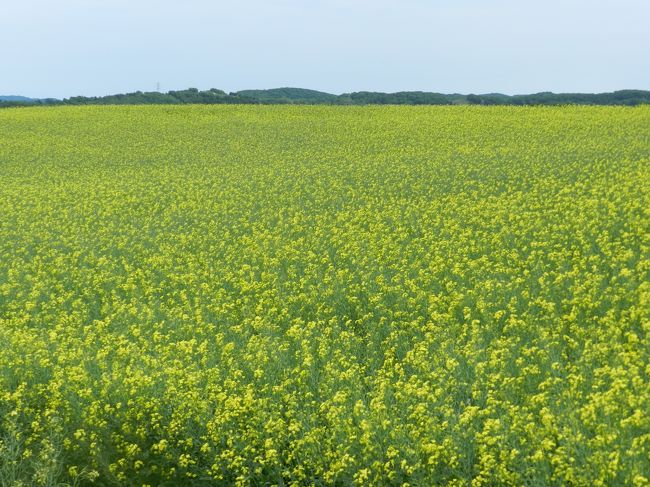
(61, 48)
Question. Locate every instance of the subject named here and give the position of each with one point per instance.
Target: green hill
(288, 95)
(22, 99)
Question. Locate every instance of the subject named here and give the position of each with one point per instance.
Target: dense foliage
(622, 97)
(288, 95)
(325, 295)
(302, 96)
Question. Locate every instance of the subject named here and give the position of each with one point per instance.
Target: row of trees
(310, 97)
(623, 97)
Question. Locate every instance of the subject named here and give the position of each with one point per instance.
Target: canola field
(197, 295)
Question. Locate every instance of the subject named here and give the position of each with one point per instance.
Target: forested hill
(289, 95)
(312, 97)
(13, 98)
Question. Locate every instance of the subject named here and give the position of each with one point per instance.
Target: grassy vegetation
(325, 295)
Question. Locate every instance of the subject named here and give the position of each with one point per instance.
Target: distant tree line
(183, 97)
(623, 97)
(312, 97)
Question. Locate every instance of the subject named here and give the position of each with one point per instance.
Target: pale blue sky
(63, 48)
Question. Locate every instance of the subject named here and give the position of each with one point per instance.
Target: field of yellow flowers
(325, 295)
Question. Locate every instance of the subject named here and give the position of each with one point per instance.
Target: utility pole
(158, 86)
